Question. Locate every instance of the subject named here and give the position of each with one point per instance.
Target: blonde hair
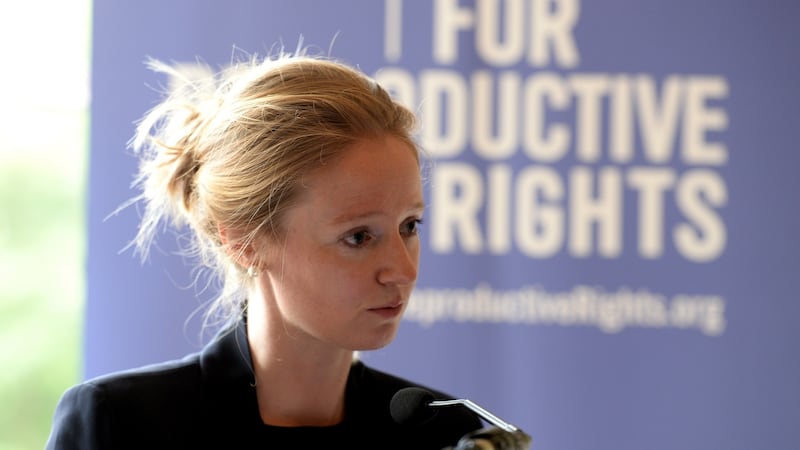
(231, 149)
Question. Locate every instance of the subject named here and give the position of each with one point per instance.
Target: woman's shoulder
(145, 383)
(138, 400)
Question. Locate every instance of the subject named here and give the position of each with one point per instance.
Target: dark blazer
(207, 400)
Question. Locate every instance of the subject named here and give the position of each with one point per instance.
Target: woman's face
(345, 269)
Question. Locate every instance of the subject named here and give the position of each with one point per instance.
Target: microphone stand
(503, 436)
(489, 417)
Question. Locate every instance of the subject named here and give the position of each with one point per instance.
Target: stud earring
(252, 272)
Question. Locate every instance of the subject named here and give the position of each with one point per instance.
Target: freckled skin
(344, 271)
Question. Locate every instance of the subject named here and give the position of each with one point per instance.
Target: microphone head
(409, 406)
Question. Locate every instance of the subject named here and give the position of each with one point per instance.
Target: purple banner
(609, 252)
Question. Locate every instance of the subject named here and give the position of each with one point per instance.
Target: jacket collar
(229, 379)
(226, 363)
(227, 370)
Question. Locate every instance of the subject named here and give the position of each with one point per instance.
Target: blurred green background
(44, 111)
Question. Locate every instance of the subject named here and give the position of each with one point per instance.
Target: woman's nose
(400, 261)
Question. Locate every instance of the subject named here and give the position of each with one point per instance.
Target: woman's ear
(239, 246)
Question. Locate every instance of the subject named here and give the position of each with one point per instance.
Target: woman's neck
(299, 381)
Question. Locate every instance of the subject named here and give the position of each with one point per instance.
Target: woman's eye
(411, 227)
(358, 238)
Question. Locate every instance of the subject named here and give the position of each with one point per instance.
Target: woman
(300, 181)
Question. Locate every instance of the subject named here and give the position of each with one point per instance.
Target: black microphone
(416, 406)
(409, 406)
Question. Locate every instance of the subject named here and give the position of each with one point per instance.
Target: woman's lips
(388, 311)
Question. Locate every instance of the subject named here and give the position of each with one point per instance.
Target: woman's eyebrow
(353, 217)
